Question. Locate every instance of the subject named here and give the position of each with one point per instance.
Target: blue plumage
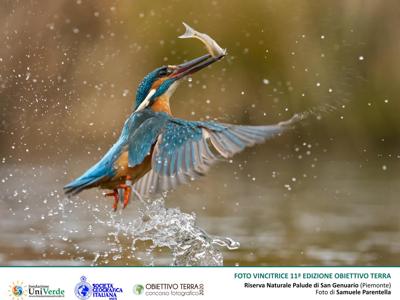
(155, 151)
(144, 136)
(181, 148)
(100, 171)
(135, 136)
(145, 86)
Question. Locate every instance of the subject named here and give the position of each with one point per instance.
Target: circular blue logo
(83, 290)
(17, 290)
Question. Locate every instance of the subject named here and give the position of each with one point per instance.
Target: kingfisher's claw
(114, 193)
(127, 196)
(127, 187)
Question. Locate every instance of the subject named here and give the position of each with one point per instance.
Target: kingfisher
(156, 151)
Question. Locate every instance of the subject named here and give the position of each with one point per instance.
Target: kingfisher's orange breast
(122, 170)
(161, 105)
(121, 165)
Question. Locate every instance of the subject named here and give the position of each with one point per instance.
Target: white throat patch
(146, 101)
(168, 93)
(171, 89)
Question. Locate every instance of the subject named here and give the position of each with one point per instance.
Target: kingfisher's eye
(164, 72)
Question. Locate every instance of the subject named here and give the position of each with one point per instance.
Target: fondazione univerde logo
(84, 290)
(19, 291)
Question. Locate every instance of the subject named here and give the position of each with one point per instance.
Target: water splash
(170, 228)
(154, 234)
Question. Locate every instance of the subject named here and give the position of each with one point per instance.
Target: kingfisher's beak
(194, 65)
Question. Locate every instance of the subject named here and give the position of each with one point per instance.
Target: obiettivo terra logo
(84, 290)
(138, 289)
(17, 290)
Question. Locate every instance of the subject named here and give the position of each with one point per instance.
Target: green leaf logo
(138, 289)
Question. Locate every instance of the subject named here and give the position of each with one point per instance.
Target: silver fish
(212, 47)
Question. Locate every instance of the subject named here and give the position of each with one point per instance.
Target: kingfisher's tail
(90, 178)
(98, 173)
(79, 184)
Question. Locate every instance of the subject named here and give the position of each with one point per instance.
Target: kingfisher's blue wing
(138, 135)
(183, 152)
(142, 138)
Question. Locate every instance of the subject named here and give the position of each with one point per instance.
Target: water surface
(328, 212)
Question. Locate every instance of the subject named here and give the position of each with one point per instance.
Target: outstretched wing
(182, 151)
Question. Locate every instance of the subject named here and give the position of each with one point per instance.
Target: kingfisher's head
(165, 79)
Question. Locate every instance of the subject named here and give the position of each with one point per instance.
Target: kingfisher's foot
(127, 196)
(127, 187)
(114, 193)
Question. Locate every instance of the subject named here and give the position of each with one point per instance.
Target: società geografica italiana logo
(106, 290)
(83, 290)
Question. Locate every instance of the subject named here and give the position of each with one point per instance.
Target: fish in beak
(193, 66)
(212, 46)
(215, 54)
